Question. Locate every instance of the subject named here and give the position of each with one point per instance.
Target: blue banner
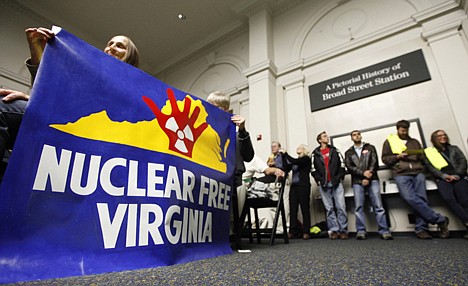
(112, 170)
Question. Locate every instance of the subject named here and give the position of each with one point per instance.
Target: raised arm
(37, 39)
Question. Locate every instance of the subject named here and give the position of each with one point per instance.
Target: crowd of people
(403, 154)
(409, 163)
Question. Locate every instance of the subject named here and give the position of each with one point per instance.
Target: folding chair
(257, 203)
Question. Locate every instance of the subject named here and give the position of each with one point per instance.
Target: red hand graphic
(179, 125)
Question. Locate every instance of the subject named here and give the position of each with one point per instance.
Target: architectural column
(295, 113)
(451, 55)
(262, 82)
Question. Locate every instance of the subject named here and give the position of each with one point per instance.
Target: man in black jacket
(362, 163)
(328, 171)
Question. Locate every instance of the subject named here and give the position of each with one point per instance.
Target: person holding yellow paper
(448, 165)
(407, 163)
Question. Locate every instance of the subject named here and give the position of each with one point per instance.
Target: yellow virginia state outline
(149, 135)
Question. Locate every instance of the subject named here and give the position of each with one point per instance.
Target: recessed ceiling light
(181, 16)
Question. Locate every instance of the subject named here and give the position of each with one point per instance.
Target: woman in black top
(450, 174)
(299, 193)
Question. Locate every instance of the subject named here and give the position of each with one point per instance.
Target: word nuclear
(192, 226)
(160, 184)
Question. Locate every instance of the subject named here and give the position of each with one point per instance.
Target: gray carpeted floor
(403, 261)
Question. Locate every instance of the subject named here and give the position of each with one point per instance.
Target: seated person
(12, 107)
(258, 169)
(447, 163)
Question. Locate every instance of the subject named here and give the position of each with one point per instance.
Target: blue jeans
(336, 221)
(373, 189)
(413, 190)
(11, 115)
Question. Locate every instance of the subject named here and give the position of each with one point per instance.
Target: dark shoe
(443, 228)
(344, 236)
(333, 235)
(361, 236)
(291, 236)
(466, 235)
(305, 236)
(423, 235)
(387, 236)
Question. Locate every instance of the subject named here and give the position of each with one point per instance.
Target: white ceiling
(153, 25)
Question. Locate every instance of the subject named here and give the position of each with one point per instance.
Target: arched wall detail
(227, 69)
(316, 16)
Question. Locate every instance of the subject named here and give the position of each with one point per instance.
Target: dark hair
(403, 124)
(351, 134)
(435, 141)
(320, 136)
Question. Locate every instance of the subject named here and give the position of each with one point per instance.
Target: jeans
(455, 194)
(336, 221)
(11, 115)
(373, 190)
(413, 190)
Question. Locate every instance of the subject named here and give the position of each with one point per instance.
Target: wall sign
(395, 73)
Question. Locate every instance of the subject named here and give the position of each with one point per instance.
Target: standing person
(276, 158)
(362, 163)
(448, 165)
(328, 171)
(405, 156)
(299, 193)
(244, 153)
(14, 103)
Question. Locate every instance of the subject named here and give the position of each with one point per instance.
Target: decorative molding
(217, 40)
(265, 65)
(291, 67)
(194, 52)
(415, 21)
(286, 5)
(262, 76)
(360, 42)
(212, 61)
(275, 7)
(259, 8)
(242, 86)
(294, 83)
(304, 31)
(14, 77)
(237, 89)
(440, 32)
(435, 10)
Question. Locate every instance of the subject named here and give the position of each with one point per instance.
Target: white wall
(13, 46)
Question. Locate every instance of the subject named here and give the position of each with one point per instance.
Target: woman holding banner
(448, 165)
(119, 47)
(14, 103)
